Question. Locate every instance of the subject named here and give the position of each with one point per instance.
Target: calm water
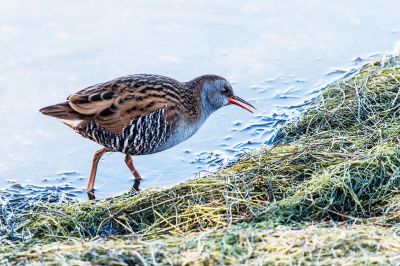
(276, 53)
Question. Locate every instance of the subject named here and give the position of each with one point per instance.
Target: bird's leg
(96, 159)
(135, 188)
(129, 163)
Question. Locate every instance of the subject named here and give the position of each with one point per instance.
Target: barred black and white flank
(142, 114)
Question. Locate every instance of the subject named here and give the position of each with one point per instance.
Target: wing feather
(114, 104)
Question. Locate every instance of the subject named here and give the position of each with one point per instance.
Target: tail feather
(64, 112)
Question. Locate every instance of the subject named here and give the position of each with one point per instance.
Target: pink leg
(129, 163)
(96, 160)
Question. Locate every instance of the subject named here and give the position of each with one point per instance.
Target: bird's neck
(200, 96)
(206, 109)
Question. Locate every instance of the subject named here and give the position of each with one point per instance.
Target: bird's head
(216, 92)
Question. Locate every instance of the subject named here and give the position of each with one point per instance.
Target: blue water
(276, 54)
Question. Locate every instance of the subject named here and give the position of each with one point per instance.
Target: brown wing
(114, 104)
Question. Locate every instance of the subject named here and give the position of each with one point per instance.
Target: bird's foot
(90, 194)
(135, 188)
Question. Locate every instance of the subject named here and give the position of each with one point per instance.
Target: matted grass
(339, 163)
(251, 245)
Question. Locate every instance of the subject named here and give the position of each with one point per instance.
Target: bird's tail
(64, 112)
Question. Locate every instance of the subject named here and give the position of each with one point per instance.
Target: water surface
(276, 54)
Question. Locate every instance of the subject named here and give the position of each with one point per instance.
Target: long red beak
(238, 101)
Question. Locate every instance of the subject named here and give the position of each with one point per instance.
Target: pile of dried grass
(241, 244)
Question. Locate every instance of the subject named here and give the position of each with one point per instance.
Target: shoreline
(330, 186)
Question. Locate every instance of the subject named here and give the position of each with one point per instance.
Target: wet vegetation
(327, 192)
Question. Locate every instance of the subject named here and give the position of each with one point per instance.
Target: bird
(142, 114)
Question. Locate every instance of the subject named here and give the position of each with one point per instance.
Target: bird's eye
(225, 90)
